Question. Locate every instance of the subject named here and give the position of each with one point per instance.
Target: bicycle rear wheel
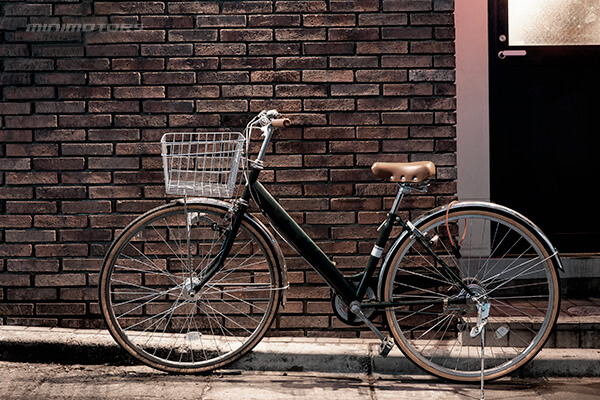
(500, 256)
(146, 292)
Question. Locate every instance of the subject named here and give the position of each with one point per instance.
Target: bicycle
(470, 290)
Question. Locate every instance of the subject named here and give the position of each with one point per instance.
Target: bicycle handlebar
(281, 123)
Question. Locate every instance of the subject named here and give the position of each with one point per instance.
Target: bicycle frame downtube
(302, 243)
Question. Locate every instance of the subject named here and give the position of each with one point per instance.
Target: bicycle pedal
(387, 344)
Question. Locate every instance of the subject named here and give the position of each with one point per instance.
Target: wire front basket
(201, 163)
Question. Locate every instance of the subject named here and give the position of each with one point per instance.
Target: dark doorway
(545, 116)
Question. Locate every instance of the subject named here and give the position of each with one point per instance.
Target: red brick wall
(81, 113)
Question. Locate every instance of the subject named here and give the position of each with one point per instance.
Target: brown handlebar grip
(281, 123)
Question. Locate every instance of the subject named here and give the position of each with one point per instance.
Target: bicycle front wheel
(501, 257)
(146, 284)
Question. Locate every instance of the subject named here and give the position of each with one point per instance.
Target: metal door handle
(511, 53)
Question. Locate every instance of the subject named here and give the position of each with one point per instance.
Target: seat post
(401, 191)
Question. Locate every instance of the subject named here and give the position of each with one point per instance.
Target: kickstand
(482, 359)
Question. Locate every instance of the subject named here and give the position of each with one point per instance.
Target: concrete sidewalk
(82, 346)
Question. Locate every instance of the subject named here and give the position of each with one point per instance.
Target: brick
(275, 76)
(268, 49)
(85, 235)
(65, 221)
(113, 134)
(382, 103)
(129, 7)
(220, 21)
(16, 135)
(330, 218)
(31, 294)
(274, 20)
(247, 7)
(113, 163)
(33, 236)
(353, 34)
(10, 108)
(354, 62)
(382, 19)
(221, 105)
(219, 49)
(31, 178)
(198, 35)
(328, 48)
(382, 132)
(145, 92)
(303, 34)
(15, 250)
(327, 76)
(223, 76)
(60, 78)
(16, 309)
(303, 6)
(31, 121)
(110, 106)
(60, 309)
(62, 250)
(193, 63)
(301, 90)
(60, 164)
(412, 5)
(430, 75)
(167, 49)
(127, 121)
(16, 193)
(247, 91)
(301, 62)
(63, 135)
(301, 175)
(33, 207)
(27, 9)
(67, 192)
(141, 64)
(84, 92)
(356, 89)
(354, 5)
(60, 107)
(185, 120)
(189, 7)
(116, 49)
(354, 118)
(112, 192)
(168, 106)
(22, 93)
(83, 64)
(246, 63)
(86, 177)
(192, 92)
(329, 105)
(12, 164)
(15, 221)
(166, 78)
(114, 78)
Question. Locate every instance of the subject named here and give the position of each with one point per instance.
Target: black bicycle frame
(307, 249)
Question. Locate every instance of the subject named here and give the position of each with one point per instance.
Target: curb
(79, 346)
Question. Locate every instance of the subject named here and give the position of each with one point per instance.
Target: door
(545, 116)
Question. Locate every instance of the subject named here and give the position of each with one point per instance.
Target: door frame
(473, 132)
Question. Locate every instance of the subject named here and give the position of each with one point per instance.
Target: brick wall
(81, 113)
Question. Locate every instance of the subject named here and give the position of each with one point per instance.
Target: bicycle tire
(503, 256)
(146, 279)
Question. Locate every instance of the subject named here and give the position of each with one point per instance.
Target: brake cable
(455, 247)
